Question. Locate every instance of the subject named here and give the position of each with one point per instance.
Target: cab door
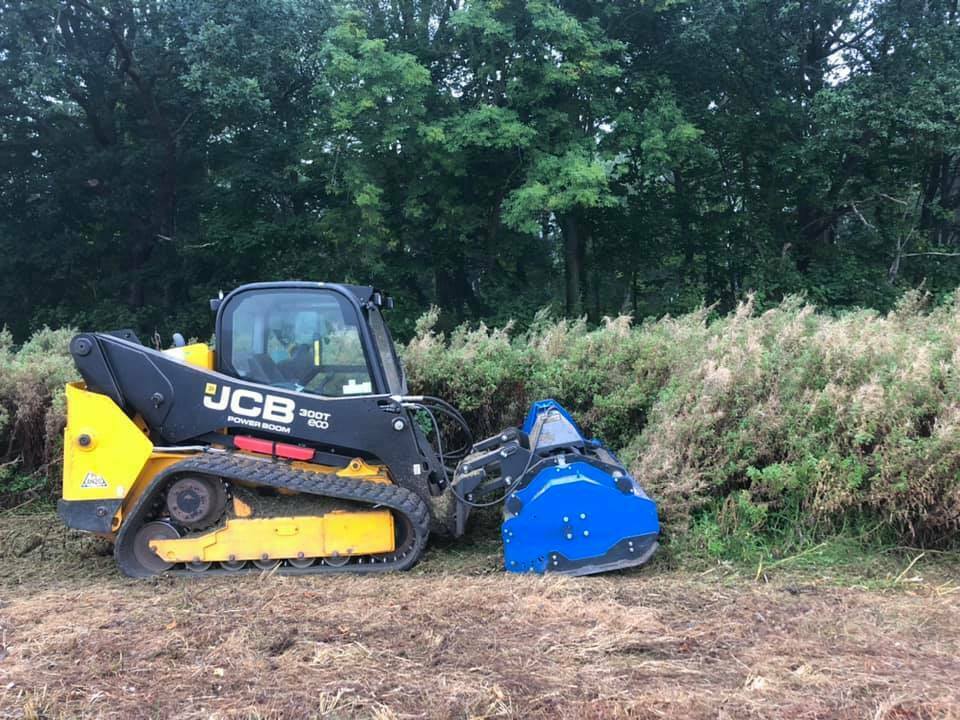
(305, 338)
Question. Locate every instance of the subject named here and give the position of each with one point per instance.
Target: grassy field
(457, 638)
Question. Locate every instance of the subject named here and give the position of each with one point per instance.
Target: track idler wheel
(300, 562)
(142, 551)
(196, 502)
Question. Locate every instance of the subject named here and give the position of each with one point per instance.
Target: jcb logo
(249, 403)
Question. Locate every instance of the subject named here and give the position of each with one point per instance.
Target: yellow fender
(103, 450)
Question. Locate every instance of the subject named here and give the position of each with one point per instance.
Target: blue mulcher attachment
(570, 506)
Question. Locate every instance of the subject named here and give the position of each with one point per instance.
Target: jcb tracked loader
(296, 446)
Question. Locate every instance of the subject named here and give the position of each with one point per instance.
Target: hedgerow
(755, 429)
(784, 426)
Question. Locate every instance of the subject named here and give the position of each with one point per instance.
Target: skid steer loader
(296, 447)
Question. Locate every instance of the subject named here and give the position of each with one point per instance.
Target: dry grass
(459, 639)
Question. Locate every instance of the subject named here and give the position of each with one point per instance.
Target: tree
(490, 157)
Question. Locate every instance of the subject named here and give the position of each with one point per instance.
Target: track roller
(144, 554)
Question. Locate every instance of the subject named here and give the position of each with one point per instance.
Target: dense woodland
(492, 157)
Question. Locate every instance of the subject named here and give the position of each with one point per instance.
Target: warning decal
(92, 480)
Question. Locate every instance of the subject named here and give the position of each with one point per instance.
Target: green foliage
(558, 185)
(490, 157)
(753, 430)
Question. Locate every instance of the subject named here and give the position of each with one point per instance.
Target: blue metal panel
(574, 514)
(543, 406)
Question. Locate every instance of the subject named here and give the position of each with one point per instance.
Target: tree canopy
(489, 156)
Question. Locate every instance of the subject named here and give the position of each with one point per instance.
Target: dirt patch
(80, 641)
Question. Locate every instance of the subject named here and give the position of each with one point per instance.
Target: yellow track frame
(335, 534)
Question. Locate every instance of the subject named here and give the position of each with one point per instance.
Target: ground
(458, 638)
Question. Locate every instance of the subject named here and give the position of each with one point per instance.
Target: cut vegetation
(458, 638)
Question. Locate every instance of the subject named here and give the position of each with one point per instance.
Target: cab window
(306, 340)
(388, 357)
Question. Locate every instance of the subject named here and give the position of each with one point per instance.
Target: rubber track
(280, 475)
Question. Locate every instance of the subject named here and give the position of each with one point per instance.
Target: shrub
(32, 410)
(787, 425)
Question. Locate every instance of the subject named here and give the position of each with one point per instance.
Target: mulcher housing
(571, 507)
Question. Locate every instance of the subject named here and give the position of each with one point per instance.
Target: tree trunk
(454, 290)
(160, 224)
(594, 284)
(816, 232)
(573, 256)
